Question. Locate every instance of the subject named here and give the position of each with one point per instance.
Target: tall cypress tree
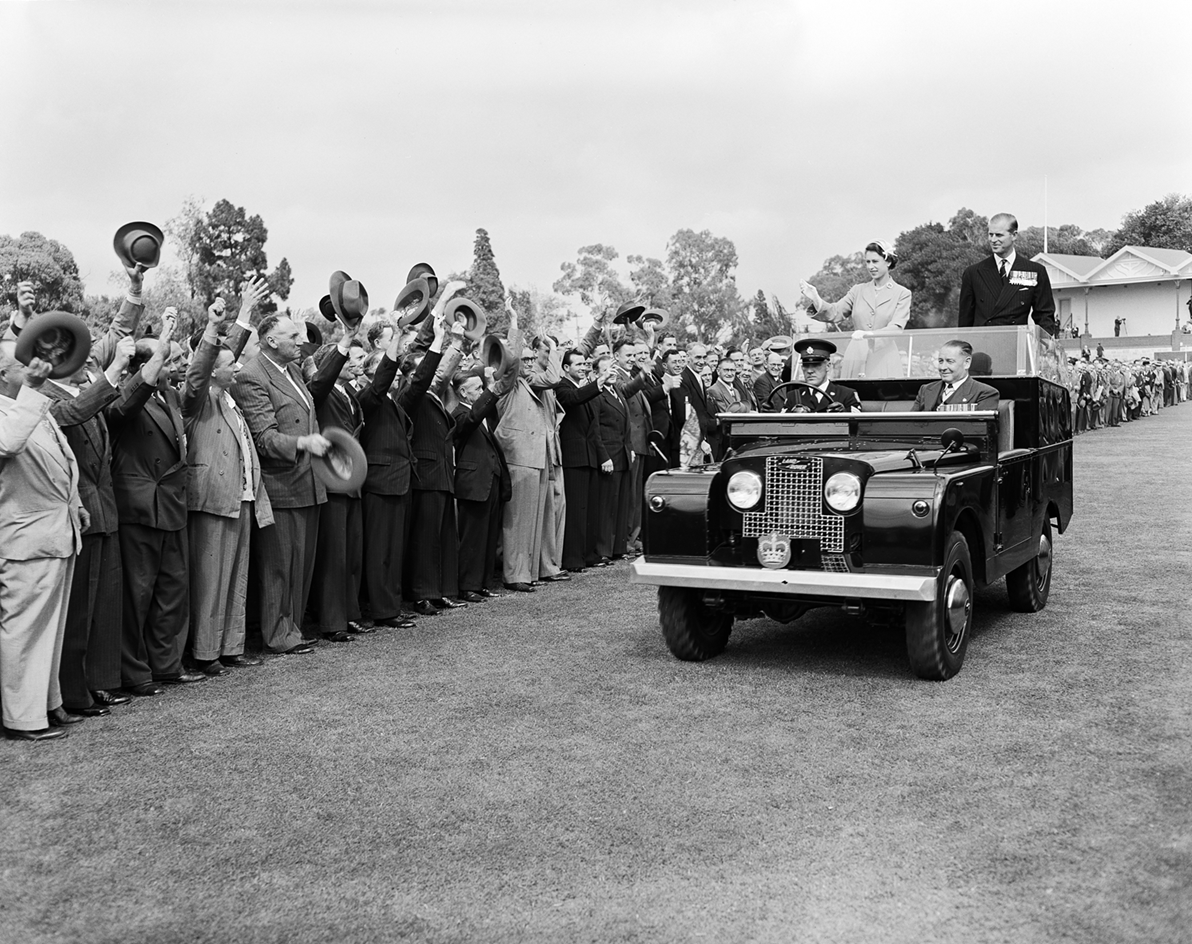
(484, 283)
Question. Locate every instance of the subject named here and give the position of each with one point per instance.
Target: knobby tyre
(693, 631)
(937, 633)
(1030, 585)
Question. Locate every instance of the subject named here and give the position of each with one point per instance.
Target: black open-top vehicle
(883, 510)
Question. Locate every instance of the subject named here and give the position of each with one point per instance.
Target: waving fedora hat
(496, 354)
(659, 315)
(470, 314)
(779, 343)
(414, 299)
(344, 466)
(57, 337)
(139, 243)
(628, 313)
(314, 337)
(348, 299)
(326, 309)
(424, 271)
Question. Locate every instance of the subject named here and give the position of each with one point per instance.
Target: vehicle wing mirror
(952, 439)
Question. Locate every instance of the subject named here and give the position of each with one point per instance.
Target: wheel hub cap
(1043, 561)
(957, 605)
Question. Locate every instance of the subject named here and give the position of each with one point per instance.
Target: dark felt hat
(495, 353)
(138, 242)
(470, 314)
(628, 313)
(423, 271)
(415, 300)
(58, 337)
(814, 350)
(348, 298)
(344, 466)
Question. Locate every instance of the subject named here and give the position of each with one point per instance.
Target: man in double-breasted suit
(668, 412)
(955, 390)
(1005, 289)
(432, 570)
(280, 413)
(225, 494)
(479, 472)
(149, 476)
(697, 396)
(583, 452)
(41, 522)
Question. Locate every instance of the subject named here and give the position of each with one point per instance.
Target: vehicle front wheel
(1030, 584)
(693, 631)
(937, 633)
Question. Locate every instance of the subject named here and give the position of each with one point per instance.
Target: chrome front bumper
(813, 583)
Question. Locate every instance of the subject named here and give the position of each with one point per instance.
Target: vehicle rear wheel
(693, 631)
(1030, 584)
(937, 633)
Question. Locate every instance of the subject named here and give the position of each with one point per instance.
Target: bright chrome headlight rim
(842, 491)
(744, 490)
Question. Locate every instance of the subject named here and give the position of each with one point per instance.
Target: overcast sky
(370, 136)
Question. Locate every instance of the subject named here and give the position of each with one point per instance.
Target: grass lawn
(540, 768)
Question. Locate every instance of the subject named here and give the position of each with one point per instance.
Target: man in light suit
(724, 396)
(41, 523)
(955, 390)
(1005, 289)
(224, 492)
(281, 416)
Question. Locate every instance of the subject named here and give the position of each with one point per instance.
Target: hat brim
(628, 313)
(122, 241)
(423, 271)
(780, 342)
(60, 328)
(494, 353)
(344, 466)
(660, 317)
(474, 318)
(350, 318)
(326, 309)
(414, 289)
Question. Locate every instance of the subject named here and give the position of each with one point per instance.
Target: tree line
(694, 279)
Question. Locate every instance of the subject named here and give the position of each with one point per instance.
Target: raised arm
(19, 422)
(103, 349)
(198, 374)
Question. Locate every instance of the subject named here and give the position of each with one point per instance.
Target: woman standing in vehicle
(879, 308)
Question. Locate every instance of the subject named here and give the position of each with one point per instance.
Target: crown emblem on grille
(774, 550)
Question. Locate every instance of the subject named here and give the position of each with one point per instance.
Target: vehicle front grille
(794, 504)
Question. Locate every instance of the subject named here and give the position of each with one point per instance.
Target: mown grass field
(541, 769)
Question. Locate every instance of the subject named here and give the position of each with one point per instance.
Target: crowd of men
(170, 495)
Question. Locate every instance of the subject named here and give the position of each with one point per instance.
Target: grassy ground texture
(539, 768)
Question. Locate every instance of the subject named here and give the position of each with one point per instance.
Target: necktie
(1005, 275)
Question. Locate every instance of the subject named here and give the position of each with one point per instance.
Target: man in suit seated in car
(956, 390)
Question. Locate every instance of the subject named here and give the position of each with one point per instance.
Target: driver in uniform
(827, 397)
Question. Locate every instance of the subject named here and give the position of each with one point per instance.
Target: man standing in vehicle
(1005, 289)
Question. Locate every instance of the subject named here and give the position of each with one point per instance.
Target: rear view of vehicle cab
(890, 512)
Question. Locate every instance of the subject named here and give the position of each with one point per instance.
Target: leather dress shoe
(561, 577)
(490, 594)
(239, 662)
(210, 666)
(45, 734)
(60, 717)
(396, 622)
(470, 596)
(520, 587)
(444, 604)
(94, 711)
(361, 627)
(186, 678)
(424, 608)
(299, 650)
(102, 697)
(144, 689)
(603, 562)
(341, 636)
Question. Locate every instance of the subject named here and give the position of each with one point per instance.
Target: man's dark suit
(583, 452)
(971, 394)
(668, 413)
(697, 396)
(339, 550)
(91, 639)
(613, 492)
(386, 492)
(986, 300)
(801, 396)
(149, 477)
(478, 466)
(433, 571)
(279, 410)
(762, 388)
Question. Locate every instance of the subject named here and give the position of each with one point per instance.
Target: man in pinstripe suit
(281, 417)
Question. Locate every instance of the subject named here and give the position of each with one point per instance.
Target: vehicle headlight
(843, 491)
(744, 490)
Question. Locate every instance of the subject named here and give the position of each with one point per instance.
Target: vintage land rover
(889, 512)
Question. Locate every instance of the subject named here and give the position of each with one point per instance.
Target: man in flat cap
(821, 395)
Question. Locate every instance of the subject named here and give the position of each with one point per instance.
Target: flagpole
(1045, 213)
